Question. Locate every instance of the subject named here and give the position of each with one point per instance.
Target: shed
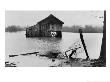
(48, 27)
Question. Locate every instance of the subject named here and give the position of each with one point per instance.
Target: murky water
(17, 43)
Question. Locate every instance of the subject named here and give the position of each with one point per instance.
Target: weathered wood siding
(45, 27)
(55, 27)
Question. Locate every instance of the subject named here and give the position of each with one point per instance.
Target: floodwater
(16, 44)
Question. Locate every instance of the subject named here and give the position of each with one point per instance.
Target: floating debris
(8, 64)
(30, 53)
(12, 55)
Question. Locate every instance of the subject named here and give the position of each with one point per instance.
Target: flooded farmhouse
(77, 45)
(48, 27)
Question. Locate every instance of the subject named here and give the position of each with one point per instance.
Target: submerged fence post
(82, 40)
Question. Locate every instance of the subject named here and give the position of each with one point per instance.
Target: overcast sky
(28, 18)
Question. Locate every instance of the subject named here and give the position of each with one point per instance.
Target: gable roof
(51, 19)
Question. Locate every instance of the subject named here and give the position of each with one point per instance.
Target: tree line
(86, 29)
(14, 28)
(74, 29)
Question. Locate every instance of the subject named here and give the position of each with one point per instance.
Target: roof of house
(51, 19)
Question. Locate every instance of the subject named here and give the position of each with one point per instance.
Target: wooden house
(48, 27)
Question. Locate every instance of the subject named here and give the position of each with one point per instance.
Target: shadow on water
(45, 39)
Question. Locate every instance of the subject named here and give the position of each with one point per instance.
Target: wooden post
(82, 40)
(103, 47)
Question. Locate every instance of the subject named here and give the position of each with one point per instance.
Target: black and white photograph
(54, 41)
(74, 38)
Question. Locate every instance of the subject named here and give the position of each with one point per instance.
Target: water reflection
(44, 44)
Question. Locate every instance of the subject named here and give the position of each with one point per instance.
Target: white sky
(27, 18)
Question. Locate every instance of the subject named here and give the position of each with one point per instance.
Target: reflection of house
(48, 27)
